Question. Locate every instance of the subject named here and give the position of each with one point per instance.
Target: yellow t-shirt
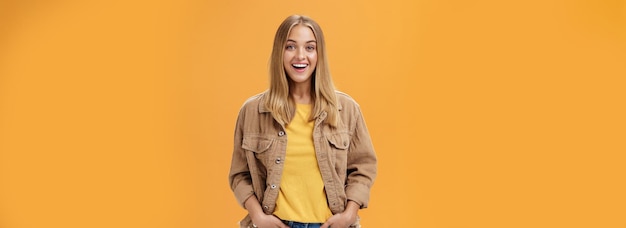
(302, 197)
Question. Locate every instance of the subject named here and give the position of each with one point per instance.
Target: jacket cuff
(242, 193)
(359, 193)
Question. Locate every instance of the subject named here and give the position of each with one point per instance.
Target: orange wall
(483, 113)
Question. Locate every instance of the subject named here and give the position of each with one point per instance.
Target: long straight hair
(278, 100)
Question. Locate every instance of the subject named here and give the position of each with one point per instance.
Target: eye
(290, 47)
(310, 48)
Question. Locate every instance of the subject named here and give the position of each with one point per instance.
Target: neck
(301, 93)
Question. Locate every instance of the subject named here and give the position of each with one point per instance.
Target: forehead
(301, 33)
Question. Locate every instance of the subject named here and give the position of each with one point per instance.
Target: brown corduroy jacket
(345, 156)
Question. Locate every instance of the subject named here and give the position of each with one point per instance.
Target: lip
(300, 70)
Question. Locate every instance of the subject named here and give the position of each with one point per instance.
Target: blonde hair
(278, 99)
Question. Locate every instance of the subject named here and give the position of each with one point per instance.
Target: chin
(300, 78)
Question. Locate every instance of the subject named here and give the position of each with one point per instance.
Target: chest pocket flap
(256, 144)
(340, 140)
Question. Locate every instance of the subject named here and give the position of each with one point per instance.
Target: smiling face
(300, 54)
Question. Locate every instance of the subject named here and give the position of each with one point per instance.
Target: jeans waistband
(293, 224)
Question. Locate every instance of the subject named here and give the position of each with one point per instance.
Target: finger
(325, 225)
(280, 223)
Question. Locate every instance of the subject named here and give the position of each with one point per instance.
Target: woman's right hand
(260, 219)
(267, 221)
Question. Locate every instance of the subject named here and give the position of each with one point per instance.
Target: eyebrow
(314, 41)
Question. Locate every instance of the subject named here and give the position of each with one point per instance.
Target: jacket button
(277, 160)
(281, 133)
(266, 207)
(273, 186)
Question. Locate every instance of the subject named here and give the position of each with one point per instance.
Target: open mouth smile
(300, 67)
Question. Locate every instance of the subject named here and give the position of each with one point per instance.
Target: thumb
(325, 225)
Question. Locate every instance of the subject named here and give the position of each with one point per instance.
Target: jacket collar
(262, 107)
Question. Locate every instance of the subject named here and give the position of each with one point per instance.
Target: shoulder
(253, 103)
(345, 101)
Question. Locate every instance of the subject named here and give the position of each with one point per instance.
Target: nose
(300, 55)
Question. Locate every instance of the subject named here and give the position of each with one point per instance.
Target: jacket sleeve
(362, 163)
(239, 176)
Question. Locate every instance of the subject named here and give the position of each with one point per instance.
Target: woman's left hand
(343, 219)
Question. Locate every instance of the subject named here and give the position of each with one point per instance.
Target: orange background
(483, 113)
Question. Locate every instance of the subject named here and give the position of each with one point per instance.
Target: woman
(302, 153)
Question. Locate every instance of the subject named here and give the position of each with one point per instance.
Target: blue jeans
(292, 224)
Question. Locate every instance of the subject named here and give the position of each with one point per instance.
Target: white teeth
(299, 65)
